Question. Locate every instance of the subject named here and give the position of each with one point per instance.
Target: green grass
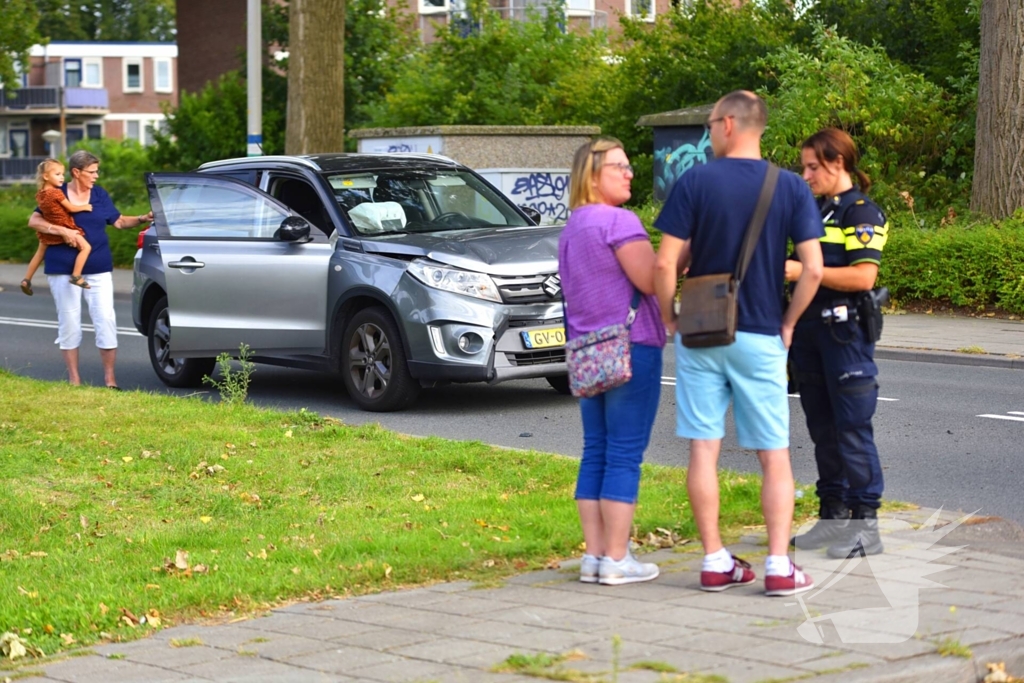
(113, 510)
(951, 647)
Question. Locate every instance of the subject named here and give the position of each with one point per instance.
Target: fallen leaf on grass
(128, 618)
(997, 674)
(205, 519)
(38, 553)
(68, 638)
(127, 458)
(419, 498)
(12, 647)
(181, 560)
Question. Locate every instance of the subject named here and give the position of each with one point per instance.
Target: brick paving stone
(645, 632)
(172, 658)
(785, 653)
(239, 667)
(682, 615)
(629, 651)
(462, 627)
(343, 660)
(284, 647)
(449, 650)
(384, 639)
(320, 627)
(532, 637)
(428, 621)
(94, 669)
(841, 661)
(464, 605)
(487, 659)
(549, 618)
(453, 587)
(963, 598)
(551, 598)
(415, 670)
(906, 649)
(718, 643)
(755, 672)
(973, 636)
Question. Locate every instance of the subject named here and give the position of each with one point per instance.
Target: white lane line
(1004, 417)
(1014, 412)
(52, 325)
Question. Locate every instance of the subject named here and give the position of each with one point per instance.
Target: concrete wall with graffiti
(546, 190)
(676, 150)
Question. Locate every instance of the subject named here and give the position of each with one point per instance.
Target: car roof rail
(262, 159)
(424, 155)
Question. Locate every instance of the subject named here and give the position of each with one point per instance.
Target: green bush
(123, 165)
(902, 123)
(972, 262)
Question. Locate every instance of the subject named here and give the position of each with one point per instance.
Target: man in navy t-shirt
(703, 223)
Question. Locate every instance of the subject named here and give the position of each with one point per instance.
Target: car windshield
(399, 202)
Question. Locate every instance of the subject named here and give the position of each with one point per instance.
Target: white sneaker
(627, 570)
(589, 569)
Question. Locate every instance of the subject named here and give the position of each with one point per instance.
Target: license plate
(542, 339)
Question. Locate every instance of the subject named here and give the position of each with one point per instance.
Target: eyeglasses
(625, 168)
(707, 124)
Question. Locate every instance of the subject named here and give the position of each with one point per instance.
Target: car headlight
(465, 282)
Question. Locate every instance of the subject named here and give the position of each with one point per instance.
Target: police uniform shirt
(855, 232)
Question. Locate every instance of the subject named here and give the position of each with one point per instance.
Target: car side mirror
(293, 229)
(531, 213)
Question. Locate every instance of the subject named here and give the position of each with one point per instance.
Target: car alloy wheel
(174, 372)
(370, 361)
(373, 363)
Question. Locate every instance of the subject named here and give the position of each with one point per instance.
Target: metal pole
(254, 78)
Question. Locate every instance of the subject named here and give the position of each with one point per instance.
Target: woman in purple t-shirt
(604, 255)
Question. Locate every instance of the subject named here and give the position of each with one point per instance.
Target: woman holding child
(96, 273)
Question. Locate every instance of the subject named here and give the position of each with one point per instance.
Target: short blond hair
(41, 171)
(587, 161)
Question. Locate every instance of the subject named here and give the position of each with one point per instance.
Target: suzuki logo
(552, 285)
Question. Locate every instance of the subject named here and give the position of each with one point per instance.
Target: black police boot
(830, 528)
(862, 538)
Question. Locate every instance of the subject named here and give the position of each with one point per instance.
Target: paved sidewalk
(918, 337)
(881, 621)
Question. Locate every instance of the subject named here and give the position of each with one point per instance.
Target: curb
(949, 358)
(933, 667)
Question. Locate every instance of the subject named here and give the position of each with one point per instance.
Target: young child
(57, 210)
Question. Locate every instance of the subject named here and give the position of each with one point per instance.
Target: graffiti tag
(545, 192)
(673, 163)
(400, 147)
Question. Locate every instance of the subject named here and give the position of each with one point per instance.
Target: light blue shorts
(752, 373)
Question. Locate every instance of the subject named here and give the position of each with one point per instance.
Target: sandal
(79, 281)
(26, 286)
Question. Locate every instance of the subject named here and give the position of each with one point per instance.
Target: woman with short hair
(59, 263)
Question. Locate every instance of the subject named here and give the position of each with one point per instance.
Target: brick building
(84, 90)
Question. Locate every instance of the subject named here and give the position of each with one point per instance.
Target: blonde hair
(585, 164)
(41, 171)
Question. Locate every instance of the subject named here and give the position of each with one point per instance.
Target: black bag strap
(634, 305)
(764, 203)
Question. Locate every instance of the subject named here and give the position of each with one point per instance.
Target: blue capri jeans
(616, 429)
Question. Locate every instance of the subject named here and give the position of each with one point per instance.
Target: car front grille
(536, 357)
(529, 289)
(516, 321)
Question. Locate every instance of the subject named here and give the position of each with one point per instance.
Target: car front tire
(174, 372)
(560, 383)
(374, 366)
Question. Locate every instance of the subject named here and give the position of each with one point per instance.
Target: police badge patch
(865, 232)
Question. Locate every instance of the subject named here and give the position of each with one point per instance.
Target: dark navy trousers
(838, 392)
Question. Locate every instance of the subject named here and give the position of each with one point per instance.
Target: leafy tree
(141, 20)
(692, 57)
(211, 124)
(929, 36)
(18, 33)
(509, 72)
(901, 121)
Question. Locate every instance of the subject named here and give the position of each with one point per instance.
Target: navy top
(711, 205)
(60, 258)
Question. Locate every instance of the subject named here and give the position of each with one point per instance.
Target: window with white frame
(580, 8)
(162, 79)
(72, 73)
(640, 9)
(132, 74)
(433, 6)
(92, 73)
(132, 130)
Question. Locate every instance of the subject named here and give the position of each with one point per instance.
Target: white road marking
(52, 325)
(1005, 417)
(1014, 412)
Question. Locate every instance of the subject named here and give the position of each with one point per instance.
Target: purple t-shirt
(596, 289)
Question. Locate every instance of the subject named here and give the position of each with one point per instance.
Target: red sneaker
(740, 575)
(796, 582)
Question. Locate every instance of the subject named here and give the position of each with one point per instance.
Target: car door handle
(186, 264)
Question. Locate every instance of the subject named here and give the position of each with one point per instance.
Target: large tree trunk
(316, 71)
(998, 188)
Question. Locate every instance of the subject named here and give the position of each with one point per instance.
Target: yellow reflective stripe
(866, 260)
(876, 242)
(833, 235)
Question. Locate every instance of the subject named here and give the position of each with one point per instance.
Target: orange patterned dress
(49, 201)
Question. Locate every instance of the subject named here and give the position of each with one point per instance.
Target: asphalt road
(937, 449)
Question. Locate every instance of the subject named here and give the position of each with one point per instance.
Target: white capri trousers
(99, 299)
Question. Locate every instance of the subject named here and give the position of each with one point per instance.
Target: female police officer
(833, 350)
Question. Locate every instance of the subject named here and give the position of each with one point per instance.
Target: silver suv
(397, 271)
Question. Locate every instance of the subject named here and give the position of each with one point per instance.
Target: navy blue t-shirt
(711, 205)
(60, 258)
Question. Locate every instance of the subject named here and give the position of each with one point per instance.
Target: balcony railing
(18, 169)
(47, 97)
